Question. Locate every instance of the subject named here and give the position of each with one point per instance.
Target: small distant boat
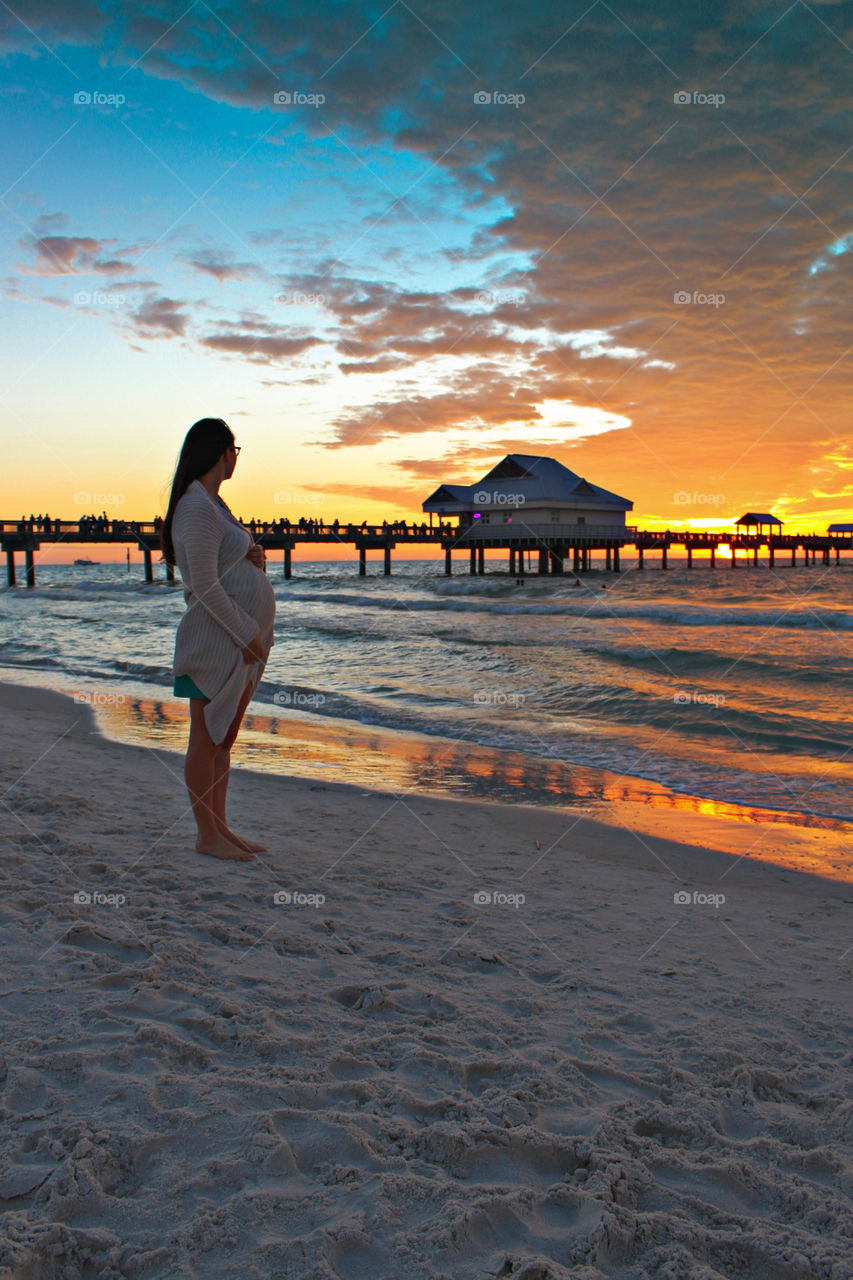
(87, 561)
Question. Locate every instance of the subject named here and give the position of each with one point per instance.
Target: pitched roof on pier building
(759, 518)
(533, 481)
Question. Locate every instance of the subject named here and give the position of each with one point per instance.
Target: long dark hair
(204, 444)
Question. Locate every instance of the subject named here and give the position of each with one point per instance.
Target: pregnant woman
(225, 636)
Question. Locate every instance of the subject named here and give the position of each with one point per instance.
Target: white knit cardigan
(229, 601)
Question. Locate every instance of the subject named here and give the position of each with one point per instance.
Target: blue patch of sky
(835, 250)
(331, 199)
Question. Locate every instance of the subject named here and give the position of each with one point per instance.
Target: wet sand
(420, 1037)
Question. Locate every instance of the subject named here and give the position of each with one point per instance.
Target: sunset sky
(306, 219)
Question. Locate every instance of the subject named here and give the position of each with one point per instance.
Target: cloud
(127, 286)
(53, 22)
(62, 255)
(479, 397)
(427, 468)
(160, 317)
(259, 346)
(70, 255)
(220, 267)
(404, 496)
(112, 266)
(48, 223)
(614, 198)
(383, 364)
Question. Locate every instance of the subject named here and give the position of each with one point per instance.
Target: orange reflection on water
(313, 747)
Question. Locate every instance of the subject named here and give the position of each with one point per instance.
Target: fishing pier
(533, 508)
(529, 547)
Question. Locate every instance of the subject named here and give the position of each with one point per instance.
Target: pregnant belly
(252, 590)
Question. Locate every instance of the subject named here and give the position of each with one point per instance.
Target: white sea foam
(729, 685)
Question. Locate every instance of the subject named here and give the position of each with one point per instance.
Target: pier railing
(554, 541)
(517, 529)
(110, 530)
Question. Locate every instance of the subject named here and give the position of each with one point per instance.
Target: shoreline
(285, 743)
(402, 1080)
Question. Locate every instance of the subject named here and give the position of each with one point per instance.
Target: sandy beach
(417, 1038)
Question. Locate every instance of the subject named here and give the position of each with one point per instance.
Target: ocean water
(729, 685)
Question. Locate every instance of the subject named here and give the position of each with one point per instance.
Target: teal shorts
(186, 688)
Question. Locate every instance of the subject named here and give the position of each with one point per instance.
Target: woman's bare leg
(221, 774)
(199, 772)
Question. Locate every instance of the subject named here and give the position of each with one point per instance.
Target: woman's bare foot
(218, 846)
(239, 841)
